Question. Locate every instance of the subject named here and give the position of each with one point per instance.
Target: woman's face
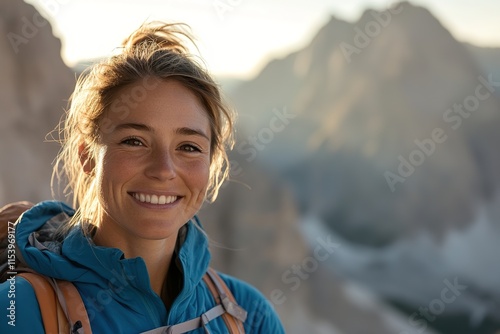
(153, 163)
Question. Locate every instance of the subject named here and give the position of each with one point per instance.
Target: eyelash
(134, 141)
(192, 148)
(127, 141)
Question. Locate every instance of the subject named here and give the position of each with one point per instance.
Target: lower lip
(156, 206)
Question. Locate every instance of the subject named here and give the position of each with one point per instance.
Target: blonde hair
(156, 50)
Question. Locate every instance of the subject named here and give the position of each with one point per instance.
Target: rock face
(34, 88)
(395, 126)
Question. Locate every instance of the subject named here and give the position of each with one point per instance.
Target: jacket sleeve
(19, 308)
(262, 317)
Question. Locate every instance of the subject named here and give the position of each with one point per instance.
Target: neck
(157, 254)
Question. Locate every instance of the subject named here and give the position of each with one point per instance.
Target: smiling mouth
(154, 199)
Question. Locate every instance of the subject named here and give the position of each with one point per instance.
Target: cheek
(198, 174)
(112, 170)
(115, 165)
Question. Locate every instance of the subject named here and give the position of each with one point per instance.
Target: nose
(161, 165)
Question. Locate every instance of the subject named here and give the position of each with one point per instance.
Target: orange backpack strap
(47, 299)
(77, 313)
(59, 301)
(235, 315)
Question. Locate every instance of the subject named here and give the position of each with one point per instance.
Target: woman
(144, 146)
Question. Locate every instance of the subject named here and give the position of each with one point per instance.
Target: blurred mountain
(379, 142)
(229, 84)
(34, 88)
(387, 131)
(488, 59)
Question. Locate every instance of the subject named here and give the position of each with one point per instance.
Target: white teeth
(155, 199)
(162, 199)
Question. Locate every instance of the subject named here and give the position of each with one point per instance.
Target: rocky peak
(363, 94)
(34, 88)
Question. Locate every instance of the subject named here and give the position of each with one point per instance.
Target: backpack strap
(60, 305)
(77, 313)
(49, 306)
(235, 315)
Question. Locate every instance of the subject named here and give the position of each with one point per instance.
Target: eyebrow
(136, 126)
(181, 131)
(191, 132)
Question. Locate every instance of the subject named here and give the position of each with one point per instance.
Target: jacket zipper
(150, 309)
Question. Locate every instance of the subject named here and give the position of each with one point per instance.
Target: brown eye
(132, 142)
(190, 148)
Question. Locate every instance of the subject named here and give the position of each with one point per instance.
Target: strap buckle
(233, 309)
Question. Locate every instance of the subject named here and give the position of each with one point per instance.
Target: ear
(87, 162)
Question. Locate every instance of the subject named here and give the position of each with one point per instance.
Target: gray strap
(60, 297)
(233, 309)
(213, 313)
(190, 325)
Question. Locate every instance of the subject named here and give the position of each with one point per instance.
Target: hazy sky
(239, 37)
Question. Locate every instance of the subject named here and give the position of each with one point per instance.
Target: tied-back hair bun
(159, 35)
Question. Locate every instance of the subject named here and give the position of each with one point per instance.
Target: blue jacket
(116, 291)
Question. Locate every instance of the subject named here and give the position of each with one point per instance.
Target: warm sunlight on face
(153, 166)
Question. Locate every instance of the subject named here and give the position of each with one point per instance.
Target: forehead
(160, 104)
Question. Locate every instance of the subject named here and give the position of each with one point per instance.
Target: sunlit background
(238, 37)
(365, 183)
